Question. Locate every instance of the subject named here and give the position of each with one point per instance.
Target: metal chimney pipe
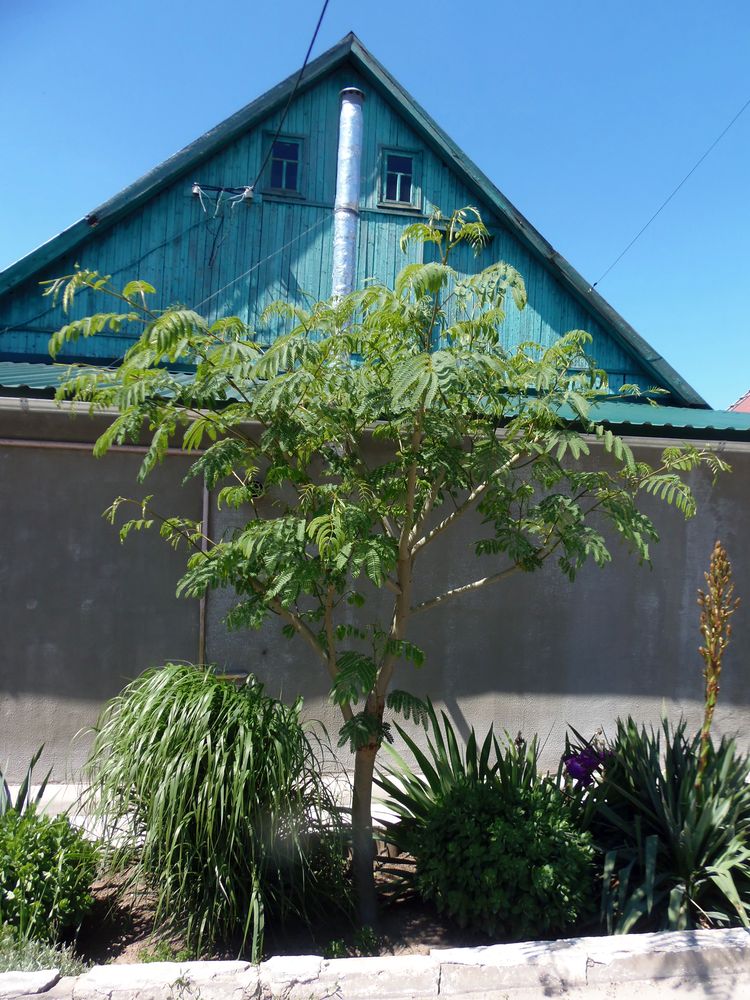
(346, 206)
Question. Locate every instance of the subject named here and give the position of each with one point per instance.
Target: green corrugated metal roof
(653, 420)
(38, 378)
(643, 418)
(20, 375)
(670, 417)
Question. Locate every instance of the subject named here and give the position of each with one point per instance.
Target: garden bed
(122, 930)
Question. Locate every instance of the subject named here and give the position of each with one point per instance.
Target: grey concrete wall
(82, 614)
(537, 653)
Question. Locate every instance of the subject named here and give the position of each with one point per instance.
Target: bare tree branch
(465, 589)
(427, 507)
(462, 508)
(388, 527)
(449, 520)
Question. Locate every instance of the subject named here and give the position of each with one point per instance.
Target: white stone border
(458, 973)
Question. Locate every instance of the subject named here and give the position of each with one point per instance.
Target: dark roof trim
(662, 371)
(188, 158)
(350, 48)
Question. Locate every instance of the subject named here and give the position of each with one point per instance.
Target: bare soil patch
(122, 929)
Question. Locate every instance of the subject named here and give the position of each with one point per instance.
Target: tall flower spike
(717, 605)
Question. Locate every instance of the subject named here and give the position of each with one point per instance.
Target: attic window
(285, 164)
(400, 178)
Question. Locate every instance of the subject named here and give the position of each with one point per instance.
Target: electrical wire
(667, 200)
(292, 95)
(321, 220)
(125, 267)
(240, 192)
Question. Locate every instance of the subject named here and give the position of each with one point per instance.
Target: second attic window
(399, 178)
(285, 165)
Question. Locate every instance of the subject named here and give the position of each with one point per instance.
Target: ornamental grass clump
(496, 845)
(213, 797)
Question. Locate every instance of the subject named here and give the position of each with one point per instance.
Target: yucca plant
(213, 796)
(412, 792)
(24, 800)
(673, 858)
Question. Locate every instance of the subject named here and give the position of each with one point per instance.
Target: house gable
(239, 256)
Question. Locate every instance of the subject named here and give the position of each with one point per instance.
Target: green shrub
(676, 851)
(505, 861)
(213, 795)
(46, 870)
(495, 844)
(26, 955)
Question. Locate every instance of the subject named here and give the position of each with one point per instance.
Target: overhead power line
(321, 220)
(239, 191)
(667, 200)
(292, 95)
(26, 324)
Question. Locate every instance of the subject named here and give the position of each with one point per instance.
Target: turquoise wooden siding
(280, 247)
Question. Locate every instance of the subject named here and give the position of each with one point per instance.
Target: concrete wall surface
(82, 614)
(537, 653)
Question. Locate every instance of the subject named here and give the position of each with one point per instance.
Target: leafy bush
(495, 844)
(213, 795)
(26, 955)
(676, 855)
(46, 870)
(506, 861)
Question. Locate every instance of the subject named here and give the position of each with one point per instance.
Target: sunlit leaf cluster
(372, 426)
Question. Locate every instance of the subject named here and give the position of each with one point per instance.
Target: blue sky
(585, 114)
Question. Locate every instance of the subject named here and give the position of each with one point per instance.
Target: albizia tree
(471, 432)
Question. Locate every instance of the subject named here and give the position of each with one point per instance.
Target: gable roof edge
(652, 361)
(221, 135)
(169, 170)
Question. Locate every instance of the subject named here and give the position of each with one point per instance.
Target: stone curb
(26, 984)
(485, 973)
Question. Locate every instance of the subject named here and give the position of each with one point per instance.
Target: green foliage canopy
(377, 424)
(362, 435)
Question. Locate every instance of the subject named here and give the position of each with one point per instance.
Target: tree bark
(362, 842)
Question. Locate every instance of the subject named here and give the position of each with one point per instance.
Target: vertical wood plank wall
(280, 248)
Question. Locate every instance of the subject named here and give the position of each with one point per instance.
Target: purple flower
(582, 764)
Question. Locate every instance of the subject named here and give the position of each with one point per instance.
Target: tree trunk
(362, 842)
